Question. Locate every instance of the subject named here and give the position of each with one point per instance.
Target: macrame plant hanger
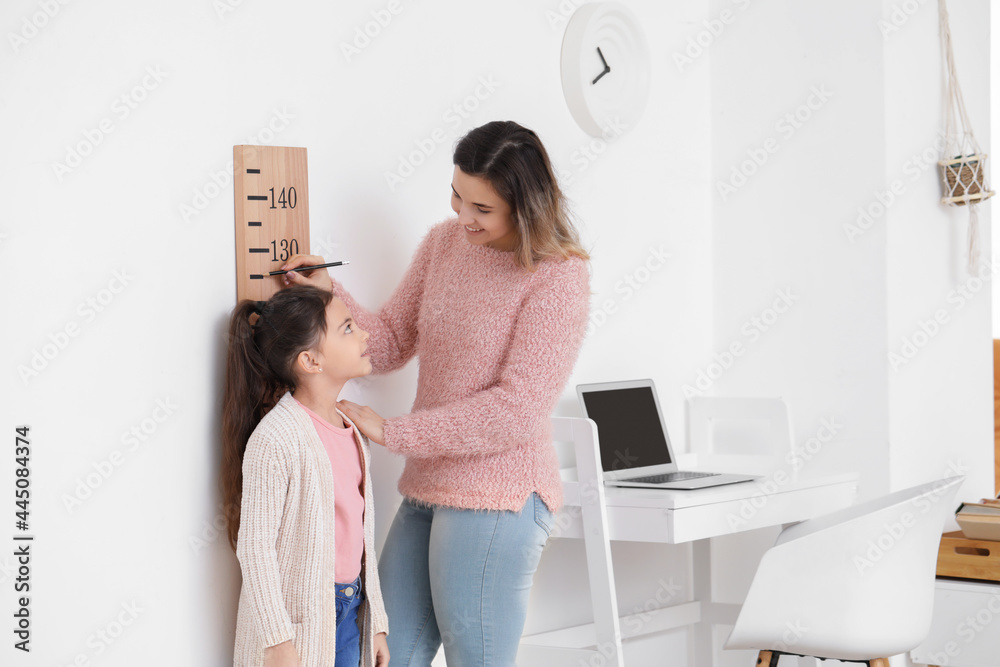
(963, 163)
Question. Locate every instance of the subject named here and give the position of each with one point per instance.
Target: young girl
(296, 485)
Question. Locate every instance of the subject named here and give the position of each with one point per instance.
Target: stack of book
(980, 521)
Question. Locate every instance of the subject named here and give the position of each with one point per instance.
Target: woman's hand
(316, 277)
(381, 651)
(365, 419)
(281, 655)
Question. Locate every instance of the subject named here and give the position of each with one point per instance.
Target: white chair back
(579, 454)
(856, 584)
(757, 451)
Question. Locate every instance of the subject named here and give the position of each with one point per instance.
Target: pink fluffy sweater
(496, 345)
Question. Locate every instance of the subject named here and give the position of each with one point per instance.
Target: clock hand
(607, 68)
(605, 62)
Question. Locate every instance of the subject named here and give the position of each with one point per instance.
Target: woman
(495, 304)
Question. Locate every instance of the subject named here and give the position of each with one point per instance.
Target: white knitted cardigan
(286, 544)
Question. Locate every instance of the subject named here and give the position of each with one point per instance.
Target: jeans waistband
(350, 590)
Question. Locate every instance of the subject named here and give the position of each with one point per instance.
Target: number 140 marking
(286, 200)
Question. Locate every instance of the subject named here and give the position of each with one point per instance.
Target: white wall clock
(605, 68)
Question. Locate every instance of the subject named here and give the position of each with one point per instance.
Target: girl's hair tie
(257, 314)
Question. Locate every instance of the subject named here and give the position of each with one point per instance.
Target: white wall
(274, 74)
(994, 125)
(150, 199)
(811, 101)
(939, 315)
(859, 286)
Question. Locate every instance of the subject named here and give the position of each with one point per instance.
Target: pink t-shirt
(348, 500)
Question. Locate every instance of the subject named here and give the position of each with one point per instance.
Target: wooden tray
(963, 558)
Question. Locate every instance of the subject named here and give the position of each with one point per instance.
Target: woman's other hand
(365, 419)
(316, 277)
(281, 655)
(381, 651)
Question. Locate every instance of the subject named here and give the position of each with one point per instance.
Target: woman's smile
(484, 214)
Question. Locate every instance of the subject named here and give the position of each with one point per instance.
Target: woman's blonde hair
(512, 159)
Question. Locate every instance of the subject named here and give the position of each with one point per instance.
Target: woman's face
(485, 216)
(342, 353)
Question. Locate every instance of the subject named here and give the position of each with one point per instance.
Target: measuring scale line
(268, 223)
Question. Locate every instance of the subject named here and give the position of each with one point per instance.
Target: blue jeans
(460, 578)
(349, 598)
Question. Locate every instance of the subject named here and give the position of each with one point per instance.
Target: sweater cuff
(276, 631)
(380, 623)
(392, 434)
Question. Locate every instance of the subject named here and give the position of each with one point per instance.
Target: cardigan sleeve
(265, 485)
(393, 328)
(545, 343)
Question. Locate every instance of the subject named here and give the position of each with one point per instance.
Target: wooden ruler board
(271, 189)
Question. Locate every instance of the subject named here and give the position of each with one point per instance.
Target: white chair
(856, 584)
(601, 641)
(755, 458)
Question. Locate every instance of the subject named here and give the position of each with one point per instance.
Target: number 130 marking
(288, 248)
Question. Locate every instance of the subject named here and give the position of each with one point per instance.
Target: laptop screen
(628, 426)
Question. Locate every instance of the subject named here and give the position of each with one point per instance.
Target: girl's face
(485, 216)
(342, 351)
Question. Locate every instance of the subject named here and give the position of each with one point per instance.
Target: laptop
(635, 448)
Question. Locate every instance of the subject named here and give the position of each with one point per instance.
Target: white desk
(672, 517)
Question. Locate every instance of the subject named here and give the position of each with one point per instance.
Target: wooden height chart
(271, 187)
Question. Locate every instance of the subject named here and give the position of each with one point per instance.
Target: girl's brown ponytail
(265, 339)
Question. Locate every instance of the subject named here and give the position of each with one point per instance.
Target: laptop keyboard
(670, 477)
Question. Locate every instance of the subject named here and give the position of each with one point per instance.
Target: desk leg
(701, 652)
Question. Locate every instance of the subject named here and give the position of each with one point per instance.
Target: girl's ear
(307, 362)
